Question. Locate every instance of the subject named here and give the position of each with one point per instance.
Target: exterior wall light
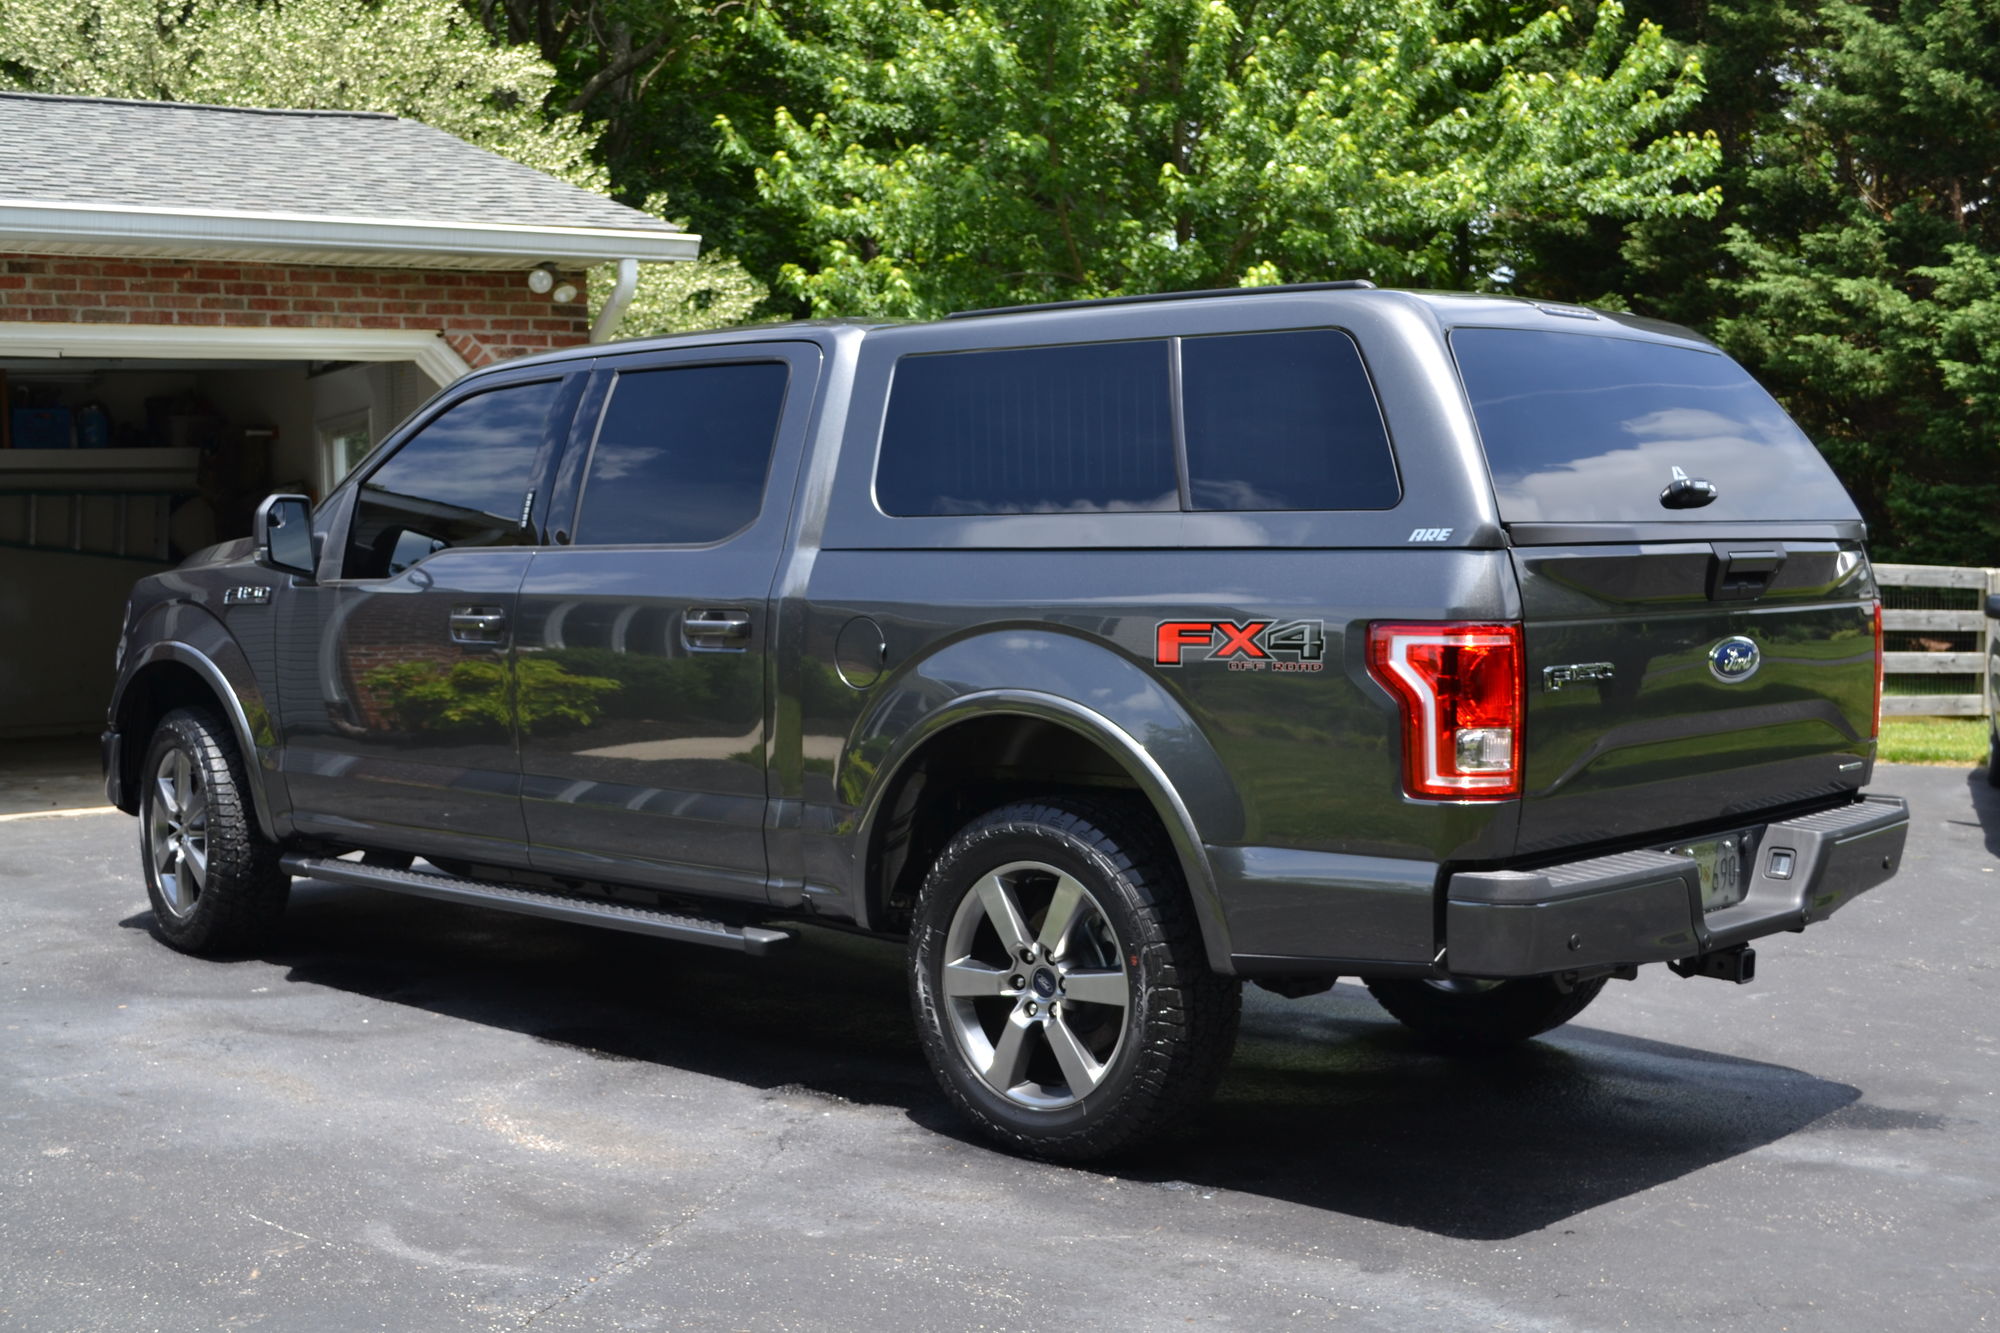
(541, 279)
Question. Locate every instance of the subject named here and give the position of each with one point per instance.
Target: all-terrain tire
(232, 903)
(1155, 1064)
(1992, 756)
(1483, 1019)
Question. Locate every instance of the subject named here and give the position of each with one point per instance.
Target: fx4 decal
(1253, 645)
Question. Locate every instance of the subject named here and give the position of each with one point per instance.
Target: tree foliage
(1874, 307)
(1854, 264)
(1009, 150)
(650, 77)
(713, 292)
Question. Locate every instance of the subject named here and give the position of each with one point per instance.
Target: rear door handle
(478, 626)
(1742, 575)
(715, 629)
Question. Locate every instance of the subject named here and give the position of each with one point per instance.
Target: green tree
(1854, 264)
(715, 291)
(1009, 150)
(650, 77)
(1867, 282)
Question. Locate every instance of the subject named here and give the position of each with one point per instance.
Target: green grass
(1957, 741)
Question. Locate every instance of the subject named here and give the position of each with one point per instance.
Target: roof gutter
(74, 228)
(615, 303)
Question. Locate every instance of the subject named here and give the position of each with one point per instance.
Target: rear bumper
(1645, 907)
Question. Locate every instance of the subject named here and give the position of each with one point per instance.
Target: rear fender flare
(1098, 694)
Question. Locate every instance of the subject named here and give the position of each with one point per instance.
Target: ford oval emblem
(1734, 659)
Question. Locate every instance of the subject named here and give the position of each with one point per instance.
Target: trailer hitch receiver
(1738, 965)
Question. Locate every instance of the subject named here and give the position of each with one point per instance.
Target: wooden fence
(1942, 608)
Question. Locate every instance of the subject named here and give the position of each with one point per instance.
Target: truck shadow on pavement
(1335, 1106)
(1328, 1104)
(1985, 799)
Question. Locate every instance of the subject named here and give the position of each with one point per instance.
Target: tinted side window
(682, 454)
(461, 481)
(1038, 430)
(1283, 421)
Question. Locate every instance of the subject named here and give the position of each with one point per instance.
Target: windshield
(1583, 428)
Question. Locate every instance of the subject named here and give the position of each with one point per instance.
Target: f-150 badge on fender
(1556, 677)
(1253, 645)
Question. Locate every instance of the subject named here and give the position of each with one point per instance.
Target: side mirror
(1993, 605)
(283, 531)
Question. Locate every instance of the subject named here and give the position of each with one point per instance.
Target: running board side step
(615, 916)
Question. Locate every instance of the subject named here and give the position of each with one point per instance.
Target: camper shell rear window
(1588, 428)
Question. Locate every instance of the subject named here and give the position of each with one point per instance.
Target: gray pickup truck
(1112, 653)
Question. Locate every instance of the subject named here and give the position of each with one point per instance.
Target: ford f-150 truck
(1112, 653)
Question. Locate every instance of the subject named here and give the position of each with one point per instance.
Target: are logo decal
(1431, 535)
(1252, 645)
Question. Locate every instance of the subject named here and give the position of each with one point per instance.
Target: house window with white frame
(344, 441)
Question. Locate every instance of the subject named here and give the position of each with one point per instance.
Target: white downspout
(609, 318)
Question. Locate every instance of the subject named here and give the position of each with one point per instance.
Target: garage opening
(117, 467)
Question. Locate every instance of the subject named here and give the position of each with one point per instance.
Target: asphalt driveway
(409, 1116)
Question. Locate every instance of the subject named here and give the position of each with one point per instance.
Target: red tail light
(1877, 733)
(1461, 689)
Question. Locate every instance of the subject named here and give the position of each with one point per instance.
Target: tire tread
(240, 905)
(1490, 1020)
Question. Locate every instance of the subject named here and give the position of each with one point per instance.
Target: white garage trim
(187, 342)
(70, 227)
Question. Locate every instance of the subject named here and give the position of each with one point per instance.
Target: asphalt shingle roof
(168, 155)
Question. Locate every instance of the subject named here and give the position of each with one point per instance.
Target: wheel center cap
(1044, 982)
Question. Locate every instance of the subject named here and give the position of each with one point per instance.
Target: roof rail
(1343, 285)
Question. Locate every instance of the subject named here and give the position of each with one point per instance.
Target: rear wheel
(1992, 756)
(1061, 989)
(1483, 1015)
(213, 879)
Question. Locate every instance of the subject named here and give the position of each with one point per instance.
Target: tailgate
(1691, 684)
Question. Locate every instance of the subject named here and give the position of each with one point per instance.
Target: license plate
(1724, 864)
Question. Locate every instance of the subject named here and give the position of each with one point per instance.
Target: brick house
(199, 305)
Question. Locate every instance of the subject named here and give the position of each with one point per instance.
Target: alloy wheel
(1035, 987)
(177, 831)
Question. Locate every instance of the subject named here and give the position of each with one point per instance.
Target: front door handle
(478, 626)
(714, 629)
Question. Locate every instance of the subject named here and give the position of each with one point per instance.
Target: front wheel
(1061, 989)
(214, 880)
(1483, 1015)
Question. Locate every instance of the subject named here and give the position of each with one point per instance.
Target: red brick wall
(484, 316)
(395, 631)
